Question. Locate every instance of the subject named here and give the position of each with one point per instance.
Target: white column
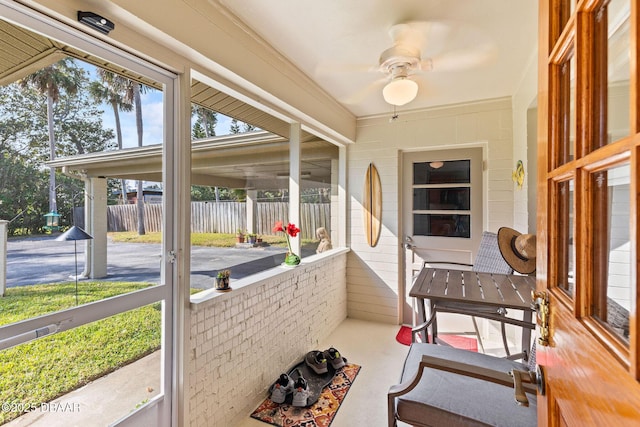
(252, 210)
(294, 181)
(95, 218)
(4, 225)
(341, 212)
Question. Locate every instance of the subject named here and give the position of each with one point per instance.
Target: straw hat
(518, 250)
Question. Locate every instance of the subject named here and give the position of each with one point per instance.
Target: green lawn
(220, 240)
(42, 370)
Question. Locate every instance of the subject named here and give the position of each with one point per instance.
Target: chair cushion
(447, 399)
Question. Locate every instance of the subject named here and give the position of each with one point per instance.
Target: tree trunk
(140, 204)
(140, 193)
(53, 206)
(116, 115)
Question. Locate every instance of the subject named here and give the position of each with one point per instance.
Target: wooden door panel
(593, 387)
(591, 369)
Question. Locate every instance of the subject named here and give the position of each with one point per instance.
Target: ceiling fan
(452, 47)
(402, 60)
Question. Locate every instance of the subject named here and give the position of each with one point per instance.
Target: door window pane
(442, 225)
(612, 249)
(437, 172)
(618, 71)
(442, 198)
(565, 261)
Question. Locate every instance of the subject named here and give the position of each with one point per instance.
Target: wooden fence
(220, 217)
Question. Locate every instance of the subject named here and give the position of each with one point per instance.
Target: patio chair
(488, 260)
(443, 385)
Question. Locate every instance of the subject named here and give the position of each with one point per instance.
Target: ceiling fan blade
(418, 34)
(361, 94)
(331, 68)
(463, 59)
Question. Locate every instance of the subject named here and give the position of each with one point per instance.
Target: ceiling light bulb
(400, 91)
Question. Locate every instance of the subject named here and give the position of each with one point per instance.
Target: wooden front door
(588, 211)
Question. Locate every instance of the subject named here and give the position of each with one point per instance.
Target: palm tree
(137, 89)
(52, 81)
(207, 119)
(111, 89)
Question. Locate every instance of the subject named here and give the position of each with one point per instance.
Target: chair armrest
(512, 379)
(398, 390)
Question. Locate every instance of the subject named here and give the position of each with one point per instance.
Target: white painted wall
(373, 274)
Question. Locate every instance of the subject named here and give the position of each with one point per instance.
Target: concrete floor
(370, 345)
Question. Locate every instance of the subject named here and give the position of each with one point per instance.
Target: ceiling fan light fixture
(400, 91)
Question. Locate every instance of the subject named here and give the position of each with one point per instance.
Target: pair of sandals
(302, 385)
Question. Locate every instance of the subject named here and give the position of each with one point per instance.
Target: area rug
(320, 414)
(404, 337)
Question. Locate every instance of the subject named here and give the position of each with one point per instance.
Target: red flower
(278, 227)
(292, 230)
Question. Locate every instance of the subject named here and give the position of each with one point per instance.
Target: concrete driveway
(42, 259)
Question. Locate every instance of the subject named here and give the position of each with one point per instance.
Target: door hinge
(171, 257)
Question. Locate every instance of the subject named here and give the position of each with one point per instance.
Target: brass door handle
(522, 381)
(540, 303)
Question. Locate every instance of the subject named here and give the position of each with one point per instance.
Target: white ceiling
(480, 48)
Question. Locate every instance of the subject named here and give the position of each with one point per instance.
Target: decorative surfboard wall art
(372, 205)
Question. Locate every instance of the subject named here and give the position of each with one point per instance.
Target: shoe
(316, 361)
(282, 387)
(334, 358)
(300, 392)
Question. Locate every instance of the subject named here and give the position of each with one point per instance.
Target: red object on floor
(464, 343)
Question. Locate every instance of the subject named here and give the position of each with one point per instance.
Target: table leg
(526, 333)
(434, 324)
(422, 317)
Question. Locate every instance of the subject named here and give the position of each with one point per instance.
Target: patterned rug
(320, 414)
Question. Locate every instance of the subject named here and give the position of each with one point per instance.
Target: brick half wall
(243, 340)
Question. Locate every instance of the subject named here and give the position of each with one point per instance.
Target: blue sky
(152, 119)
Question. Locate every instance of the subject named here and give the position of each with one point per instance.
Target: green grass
(41, 370)
(220, 240)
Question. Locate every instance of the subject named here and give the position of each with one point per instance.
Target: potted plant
(222, 280)
(252, 238)
(240, 235)
(291, 259)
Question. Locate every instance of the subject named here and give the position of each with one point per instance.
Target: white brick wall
(242, 340)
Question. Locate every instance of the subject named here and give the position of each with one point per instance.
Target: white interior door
(442, 210)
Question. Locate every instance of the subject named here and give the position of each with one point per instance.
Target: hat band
(515, 250)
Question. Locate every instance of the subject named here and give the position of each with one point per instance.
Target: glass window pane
(612, 249)
(438, 172)
(68, 377)
(442, 198)
(618, 71)
(570, 140)
(442, 225)
(566, 250)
